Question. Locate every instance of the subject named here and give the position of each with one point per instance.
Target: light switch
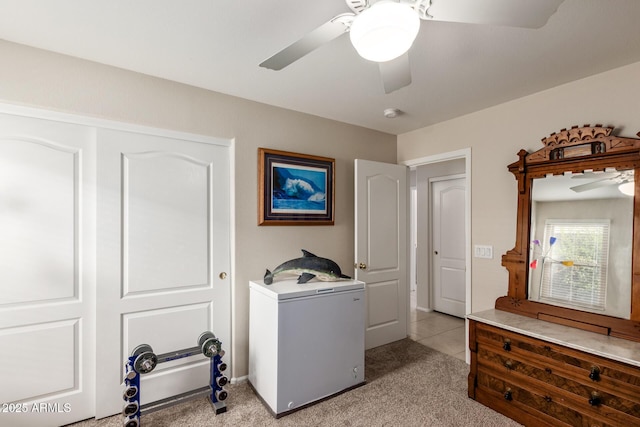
(483, 251)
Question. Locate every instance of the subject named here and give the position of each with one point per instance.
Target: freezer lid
(287, 289)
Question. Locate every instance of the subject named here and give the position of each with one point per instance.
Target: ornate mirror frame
(574, 150)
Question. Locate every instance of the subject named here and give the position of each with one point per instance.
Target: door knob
(222, 275)
(362, 266)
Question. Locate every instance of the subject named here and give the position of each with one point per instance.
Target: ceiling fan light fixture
(627, 188)
(384, 31)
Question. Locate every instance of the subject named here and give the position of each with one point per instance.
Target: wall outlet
(483, 251)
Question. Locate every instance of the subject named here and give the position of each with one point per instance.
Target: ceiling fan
(382, 31)
(623, 179)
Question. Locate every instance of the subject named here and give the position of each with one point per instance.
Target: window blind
(581, 280)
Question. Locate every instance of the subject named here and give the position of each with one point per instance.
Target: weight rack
(143, 361)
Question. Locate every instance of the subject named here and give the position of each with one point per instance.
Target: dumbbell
(222, 381)
(222, 366)
(145, 360)
(221, 395)
(130, 408)
(131, 422)
(131, 374)
(210, 345)
(130, 392)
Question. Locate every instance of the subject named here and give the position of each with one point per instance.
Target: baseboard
(239, 380)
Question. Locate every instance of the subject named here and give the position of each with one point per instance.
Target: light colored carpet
(408, 384)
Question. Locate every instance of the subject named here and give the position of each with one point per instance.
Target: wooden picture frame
(295, 189)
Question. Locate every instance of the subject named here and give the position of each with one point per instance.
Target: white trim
(78, 119)
(465, 154)
(232, 255)
(445, 177)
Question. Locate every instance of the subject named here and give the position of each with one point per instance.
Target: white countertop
(601, 345)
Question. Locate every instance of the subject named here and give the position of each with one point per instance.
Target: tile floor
(439, 331)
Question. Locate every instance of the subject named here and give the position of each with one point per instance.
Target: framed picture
(295, 189)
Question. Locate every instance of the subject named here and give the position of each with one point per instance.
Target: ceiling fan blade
(593, 175)
(592, 185)
(510, 13)
(311, 41)
(396, 73)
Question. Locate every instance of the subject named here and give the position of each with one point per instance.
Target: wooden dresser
(541, 373)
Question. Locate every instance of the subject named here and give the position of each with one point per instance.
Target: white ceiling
(218, 44)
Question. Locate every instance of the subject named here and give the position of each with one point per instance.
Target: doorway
(423, 171)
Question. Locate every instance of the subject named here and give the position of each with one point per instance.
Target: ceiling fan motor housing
(385, 30)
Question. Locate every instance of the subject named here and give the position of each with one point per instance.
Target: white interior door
(448, 244)
(381, 192)
(163, 244)
(47, 272)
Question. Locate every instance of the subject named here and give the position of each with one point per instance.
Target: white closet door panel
(166, 233)
(38, 378)
(163, 211)
(40, 220)
(47, 270)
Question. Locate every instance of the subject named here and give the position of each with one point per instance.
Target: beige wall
(496, 134)
(42, 79)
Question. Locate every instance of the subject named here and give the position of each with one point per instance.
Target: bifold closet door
(162, 259)
(47, 272)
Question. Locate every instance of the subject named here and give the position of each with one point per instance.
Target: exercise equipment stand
(143, 361)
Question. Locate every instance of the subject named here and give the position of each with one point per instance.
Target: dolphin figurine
(308, 267)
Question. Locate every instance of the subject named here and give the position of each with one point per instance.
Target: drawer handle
(595, 399)
(508, 395)
(508, 364)
(595, 373)
(507, 345)
(548, 370)
(548, 399)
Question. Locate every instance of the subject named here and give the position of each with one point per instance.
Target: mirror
(581, 231)
(575, 260)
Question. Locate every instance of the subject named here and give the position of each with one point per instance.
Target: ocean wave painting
(294, 188)
(299, 189)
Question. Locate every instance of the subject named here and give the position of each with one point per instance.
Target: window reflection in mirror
(581, 241)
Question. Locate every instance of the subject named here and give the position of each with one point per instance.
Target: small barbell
(146, 360)
(210, 345)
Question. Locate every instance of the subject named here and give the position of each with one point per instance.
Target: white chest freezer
(306, 342)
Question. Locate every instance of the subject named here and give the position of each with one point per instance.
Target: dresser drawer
(583, 396)
(544, 408)
(615, 377)
(537, 382)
